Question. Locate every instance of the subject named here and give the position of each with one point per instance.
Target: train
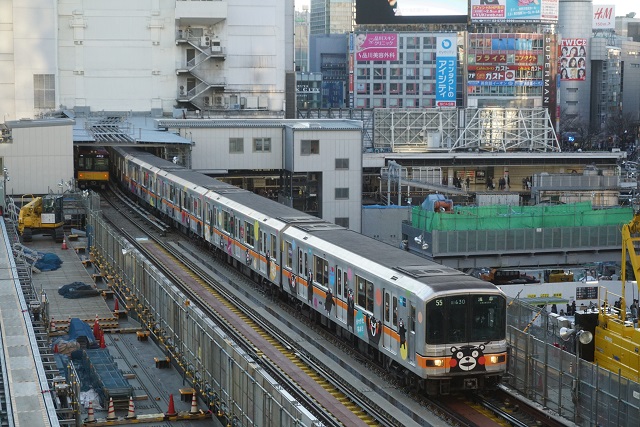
(437, 329)
(91, 165)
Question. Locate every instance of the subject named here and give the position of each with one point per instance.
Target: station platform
(153, 378)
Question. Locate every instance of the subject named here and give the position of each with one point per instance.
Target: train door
(390, 321)
(411, 333)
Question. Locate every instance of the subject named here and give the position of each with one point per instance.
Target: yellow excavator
(42, 215)
(617, 339)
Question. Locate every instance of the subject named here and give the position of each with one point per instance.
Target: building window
(379, 73)
(412, 88)
(363, 88)
(342, 163)
(342, 193)
(262, 145)
(379, 103)
(236, 145)
(362, 103)
(44, 91)
(342, 222)
(379, 88)
(395, 88)
(396, 73)
(309, 146)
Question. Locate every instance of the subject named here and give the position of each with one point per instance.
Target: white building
(144, 55)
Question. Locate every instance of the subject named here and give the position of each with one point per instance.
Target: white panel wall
(212, 148)
(121, 55)
(335, 145)
(38, 159)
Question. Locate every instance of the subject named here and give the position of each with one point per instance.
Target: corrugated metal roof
(318, 124)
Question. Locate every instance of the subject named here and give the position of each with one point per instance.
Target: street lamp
(584, 338)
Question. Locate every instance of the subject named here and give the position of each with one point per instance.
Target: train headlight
(493, 360)
(435, 363)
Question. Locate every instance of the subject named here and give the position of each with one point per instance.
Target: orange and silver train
(436, 327)
(91, 165)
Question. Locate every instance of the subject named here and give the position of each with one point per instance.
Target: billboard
(446, 54)
(514, 10)
(411, 11)
(604, 17)
(376, 46)
(573, 59)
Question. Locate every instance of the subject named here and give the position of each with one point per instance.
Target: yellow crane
(42, 215)
(617, 340)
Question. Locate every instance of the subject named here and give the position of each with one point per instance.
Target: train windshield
(465, 318)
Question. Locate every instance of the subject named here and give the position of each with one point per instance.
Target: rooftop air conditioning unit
(205, 41)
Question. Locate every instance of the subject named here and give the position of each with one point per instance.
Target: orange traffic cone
(102, 343)
(64, 244)
(171, 412)
(132, 411)
(111, 415)
(55, 348)
(90, 417)
(194, 404)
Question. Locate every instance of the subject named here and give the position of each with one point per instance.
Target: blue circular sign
(446, 44)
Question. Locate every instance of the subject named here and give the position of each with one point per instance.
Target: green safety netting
(503, 217)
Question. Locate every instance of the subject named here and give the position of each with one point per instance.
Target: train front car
(464, 334)
(91, 166)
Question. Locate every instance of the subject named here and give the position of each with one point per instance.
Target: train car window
(386, 307)
(395, 311)
(458, 318)
(306, 263)
(365, 293)
(249, 238)
(208, 213)
(262, 242)
(434, 327)
(321, 274)
(300, 261)
(339, 281)
(226, 222)
(412, 318)
(274, 245)
(288, 249)
(487, 318)
(345, 289)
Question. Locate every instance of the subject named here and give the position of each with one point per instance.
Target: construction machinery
(617, 338)
(42, 215)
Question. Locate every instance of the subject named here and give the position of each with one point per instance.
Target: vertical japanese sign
(446, 61)
(376, 47)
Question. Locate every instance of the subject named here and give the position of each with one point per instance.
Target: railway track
(371, 413)
(250, 316)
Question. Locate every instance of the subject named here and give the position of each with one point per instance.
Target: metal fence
(547, 370)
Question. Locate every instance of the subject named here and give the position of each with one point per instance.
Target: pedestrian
(573, 307)
(554, 309)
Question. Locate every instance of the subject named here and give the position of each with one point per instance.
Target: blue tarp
(78, 290)
(78, 328)
(48, 262)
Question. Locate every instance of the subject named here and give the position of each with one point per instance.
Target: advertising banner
(604, 17)
(446, 65)
(573, 59)
(376, 47)
(411, 11)
(514, 10)
(550, 70)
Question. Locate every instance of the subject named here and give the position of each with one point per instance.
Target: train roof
(437, 276)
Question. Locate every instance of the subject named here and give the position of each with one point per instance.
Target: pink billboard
(376, 47)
